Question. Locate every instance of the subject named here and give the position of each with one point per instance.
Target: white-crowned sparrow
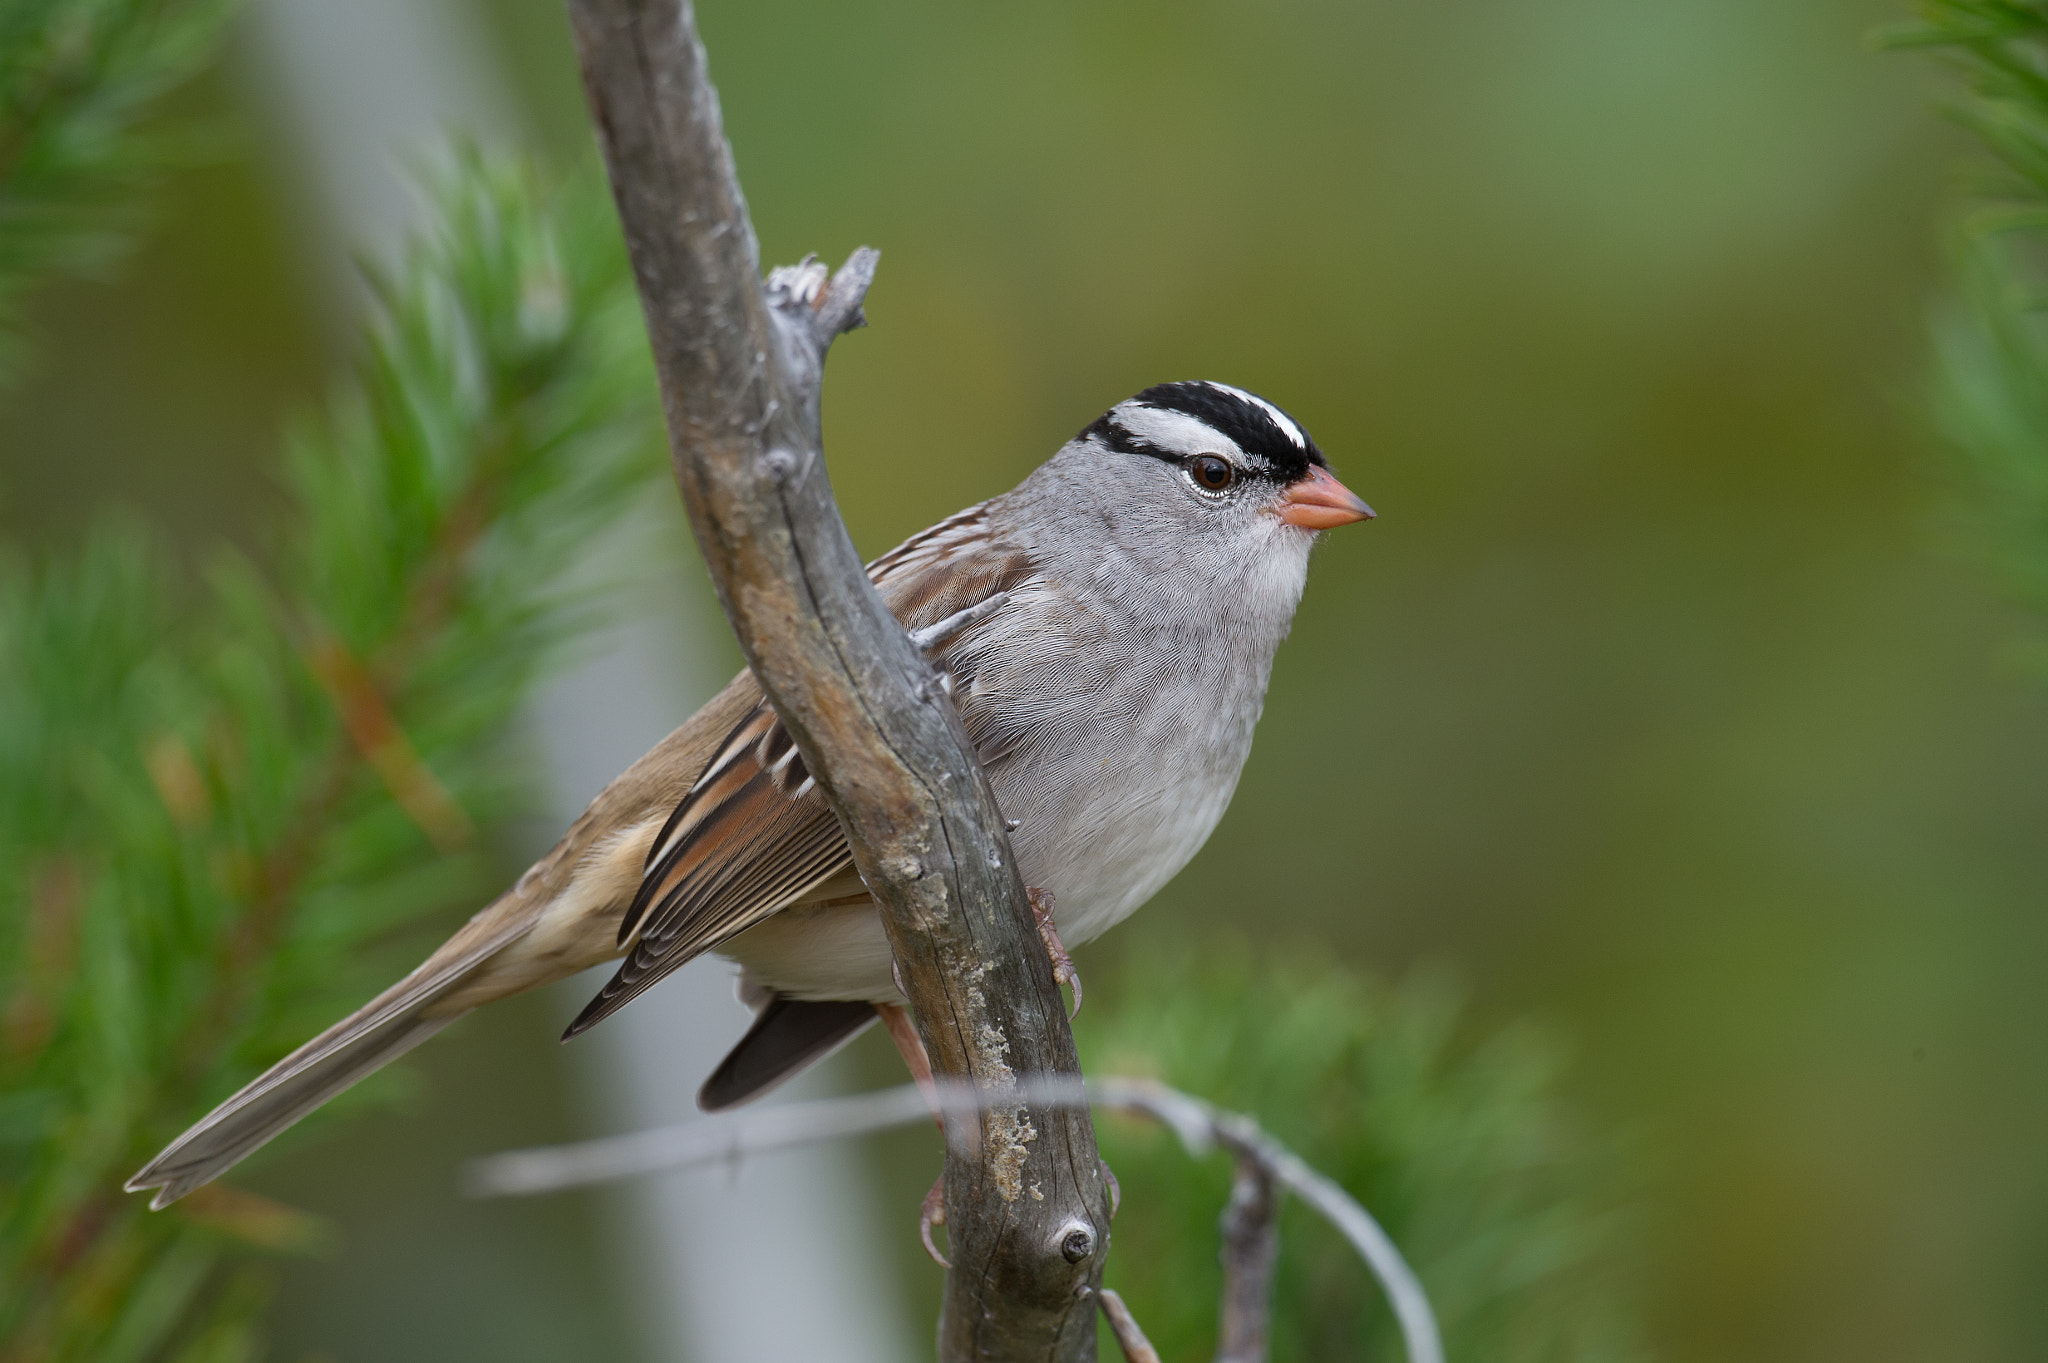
(1146, 574)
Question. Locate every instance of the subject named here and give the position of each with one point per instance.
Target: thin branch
(723, 1139)
(1200, 1126)
(1122, 1324)
(1251, 1252)
(740, 368)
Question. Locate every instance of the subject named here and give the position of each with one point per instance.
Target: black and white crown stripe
(1279, 418)
(1257, 427)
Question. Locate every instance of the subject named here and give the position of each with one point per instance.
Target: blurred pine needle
(217, 795)
(1514, 1218)
(82, 136)
(1990, 391)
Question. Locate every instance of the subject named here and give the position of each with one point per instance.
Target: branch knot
(824, 305)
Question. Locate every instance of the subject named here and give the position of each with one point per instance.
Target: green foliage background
(77, 148)
(223, 793)
(1513, 1214)
(1990, 398)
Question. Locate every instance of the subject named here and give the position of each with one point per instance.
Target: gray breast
(1114, 731)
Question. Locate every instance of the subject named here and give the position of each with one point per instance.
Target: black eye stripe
(1115, 437)
(1122, 441)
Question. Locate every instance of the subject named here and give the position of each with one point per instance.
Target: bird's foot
(1116, 1191)
(933, 1213)
(1063, 971)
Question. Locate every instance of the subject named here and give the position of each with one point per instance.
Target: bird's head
(1227, 455)
(1205, 491)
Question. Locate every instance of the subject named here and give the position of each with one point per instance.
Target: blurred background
(1652, 706)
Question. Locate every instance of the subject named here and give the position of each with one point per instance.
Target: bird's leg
(896, 1020)
(932, 1211)
(1063, 971)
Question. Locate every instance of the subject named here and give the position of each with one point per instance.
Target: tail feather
(788, 1037)
(237, 1128)
(367, 1040)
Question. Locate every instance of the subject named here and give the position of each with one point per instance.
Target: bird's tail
(360, 1044)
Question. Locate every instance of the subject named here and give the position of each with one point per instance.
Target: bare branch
(714, 1140)
(1200, 1126)
(1251, 1251)
(740, 368)
(1122, 1324)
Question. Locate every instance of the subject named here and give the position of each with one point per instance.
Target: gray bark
(1251, 1253)
(739, 366)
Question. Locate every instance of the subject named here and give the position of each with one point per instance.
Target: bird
(1107, 629)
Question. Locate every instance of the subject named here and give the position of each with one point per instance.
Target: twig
(1251, 1251)
(1122, 1324)
(713, 1140)
(740, 368)
(1200, 1126)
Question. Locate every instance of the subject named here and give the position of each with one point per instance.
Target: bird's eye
(1211, 471)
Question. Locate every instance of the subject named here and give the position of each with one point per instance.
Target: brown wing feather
(753, 834)
(740, 846)
(958, 562)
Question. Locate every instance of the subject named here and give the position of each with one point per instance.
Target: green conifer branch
(1990, 398)
(1511, 1215)
(214, 801)
(80, 84)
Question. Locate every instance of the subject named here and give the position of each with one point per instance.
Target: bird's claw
(933, 1213)
(1116, 1191)
(1063, 971)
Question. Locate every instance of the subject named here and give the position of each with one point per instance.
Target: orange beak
(1320, 502)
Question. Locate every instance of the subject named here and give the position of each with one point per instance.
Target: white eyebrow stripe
(1176, 433)
(1287, 427)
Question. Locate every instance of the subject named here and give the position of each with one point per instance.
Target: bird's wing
(750, 836)
(753, 835)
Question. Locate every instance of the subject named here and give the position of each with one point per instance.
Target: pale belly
(1114, 845)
